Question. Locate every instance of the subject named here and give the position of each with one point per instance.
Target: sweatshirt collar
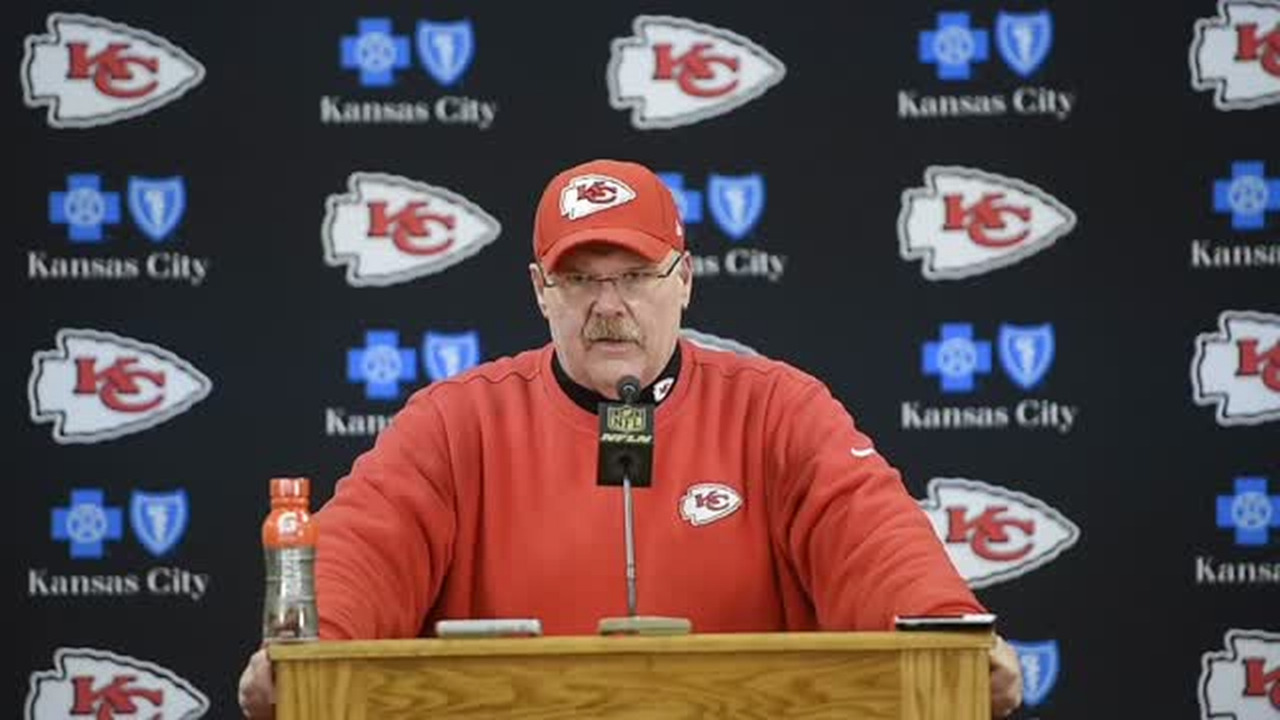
(587, 399)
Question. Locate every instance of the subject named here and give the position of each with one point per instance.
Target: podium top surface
(602, 645)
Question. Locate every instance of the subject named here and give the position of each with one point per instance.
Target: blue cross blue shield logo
(84, 207)
(447, 354)
(953, 46)
(1039, 662)
(158, 519)
(1026, 352)
(1247, 196)
(446, 49)
(1024, 40)
(157, 205)
(736, 202)
(86, 523)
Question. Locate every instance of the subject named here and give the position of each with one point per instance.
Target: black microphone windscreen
(628, 388)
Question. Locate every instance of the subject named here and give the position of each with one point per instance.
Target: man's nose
(608, 298)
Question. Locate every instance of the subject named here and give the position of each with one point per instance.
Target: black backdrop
(272, 323)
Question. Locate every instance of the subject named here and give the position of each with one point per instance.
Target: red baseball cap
(608, 201)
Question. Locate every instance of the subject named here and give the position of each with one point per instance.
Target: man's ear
(539, 287)
(686, 281)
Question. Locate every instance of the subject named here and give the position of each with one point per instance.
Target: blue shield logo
(736, 202)
(159, 519)
(1026, 352)
(157, 205)
(1039, 662)
(1024, 39)
(446, 49)
(447, 355)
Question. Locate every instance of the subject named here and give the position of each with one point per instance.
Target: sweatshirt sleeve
(386, 536)
(858, 542)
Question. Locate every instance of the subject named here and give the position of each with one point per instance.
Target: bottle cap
(290, 487)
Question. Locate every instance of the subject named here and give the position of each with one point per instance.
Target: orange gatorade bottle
(289, 547)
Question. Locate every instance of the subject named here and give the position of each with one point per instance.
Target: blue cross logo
(375, 52)
(84, 208)
(953, 47)
(1247, 196)
(688, 201)
(1250, 511)
(956, 358)
(381, 365)
(85, 524)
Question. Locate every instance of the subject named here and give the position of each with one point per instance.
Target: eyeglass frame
(599, 280)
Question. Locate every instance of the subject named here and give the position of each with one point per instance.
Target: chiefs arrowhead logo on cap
(642, 216)
(588, 194)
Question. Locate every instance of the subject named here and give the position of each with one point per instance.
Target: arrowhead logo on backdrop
(965, 222)
(98, 386)
(389, 229)
(102, 684)
(674, 71)
(1237, 54)
(90, 71)
(1241, 682)
(1237, 369)
(993, 534)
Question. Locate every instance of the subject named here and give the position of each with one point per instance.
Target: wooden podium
(910, 675)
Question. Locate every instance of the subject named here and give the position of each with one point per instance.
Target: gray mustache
(615, 329)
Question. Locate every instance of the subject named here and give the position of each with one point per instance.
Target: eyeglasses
(630, 284)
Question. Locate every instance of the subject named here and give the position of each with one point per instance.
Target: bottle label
(289, 611)
(292, 572)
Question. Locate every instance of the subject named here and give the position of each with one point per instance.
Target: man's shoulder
(508, 373)
(742, 365)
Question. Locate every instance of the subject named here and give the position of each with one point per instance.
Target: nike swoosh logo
(862, 452)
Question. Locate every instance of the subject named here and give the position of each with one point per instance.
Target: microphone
(626, 438)
(626, 459)
(628, 388)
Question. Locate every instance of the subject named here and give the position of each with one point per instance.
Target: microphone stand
(633, 623)
(629, 530)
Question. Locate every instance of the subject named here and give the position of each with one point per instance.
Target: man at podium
(763, 508)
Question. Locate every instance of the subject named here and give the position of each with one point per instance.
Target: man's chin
(606, 367)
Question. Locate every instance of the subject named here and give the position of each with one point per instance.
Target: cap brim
(637, 241)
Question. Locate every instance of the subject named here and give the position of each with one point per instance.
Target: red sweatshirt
(480, 500)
